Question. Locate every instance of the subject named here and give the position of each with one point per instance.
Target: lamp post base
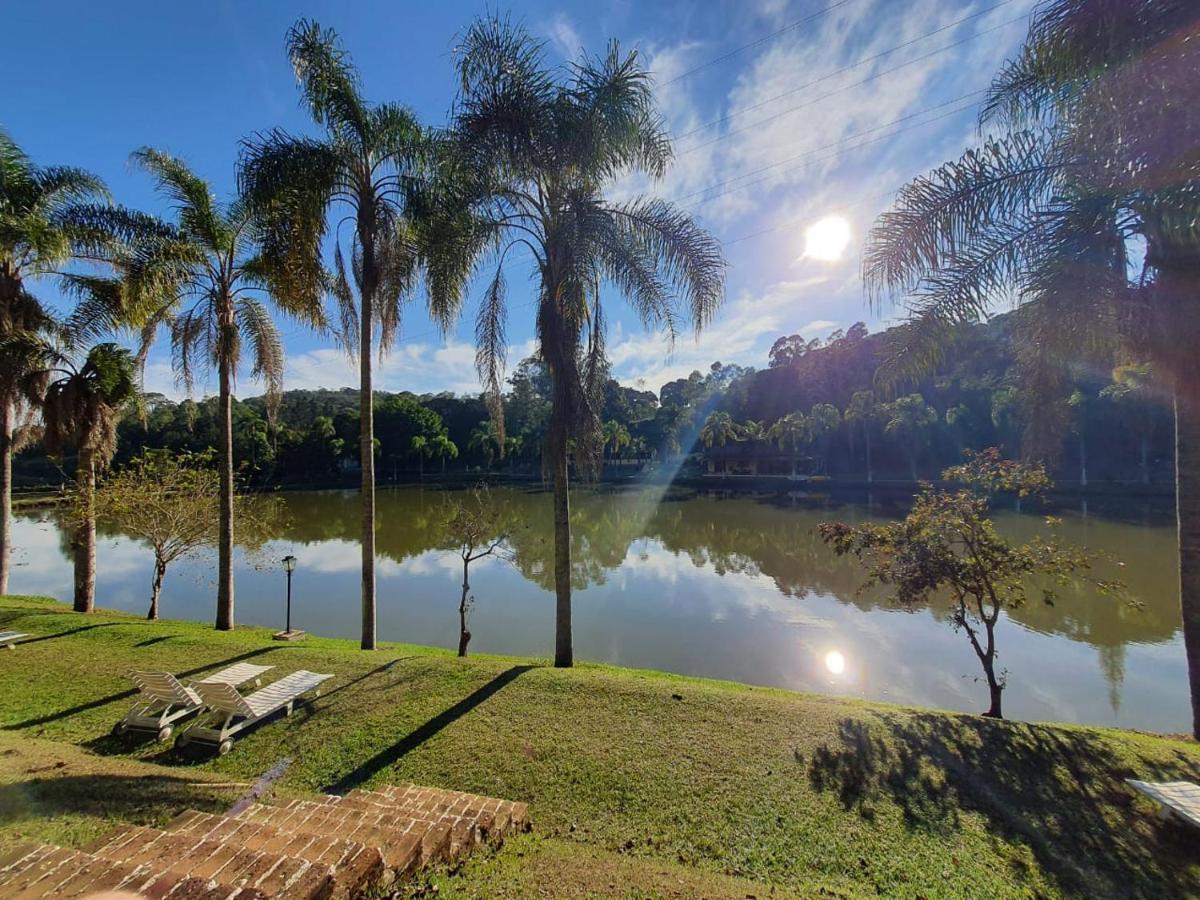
(294, 635)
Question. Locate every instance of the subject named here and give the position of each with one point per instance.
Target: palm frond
(266, 349)
(491, 345)
(328, 80)
(289, 182)
(688, 257)
(195, 206)
(934, 217)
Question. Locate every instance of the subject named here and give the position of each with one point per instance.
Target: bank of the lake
(639, 783)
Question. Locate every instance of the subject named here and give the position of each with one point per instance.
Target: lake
(724, 585)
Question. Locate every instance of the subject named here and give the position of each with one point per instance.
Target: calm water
(734, 586)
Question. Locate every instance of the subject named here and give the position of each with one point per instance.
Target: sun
(827, 239)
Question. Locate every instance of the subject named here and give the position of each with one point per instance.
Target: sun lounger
(1180, 799)
(164, 700)
(9, 639)
(231, 712)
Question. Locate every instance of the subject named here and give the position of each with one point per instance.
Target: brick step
(354, 864)
(405, 847)
(223, 860)
(44, 870)
(465, 833)
(414, 796)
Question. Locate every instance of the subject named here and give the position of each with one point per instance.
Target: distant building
(745, 460)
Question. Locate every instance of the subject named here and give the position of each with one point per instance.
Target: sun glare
(835, 662)
(827, 239)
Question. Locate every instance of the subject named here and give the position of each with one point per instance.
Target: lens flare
(835, 662)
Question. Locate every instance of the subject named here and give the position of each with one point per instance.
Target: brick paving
(325, 849)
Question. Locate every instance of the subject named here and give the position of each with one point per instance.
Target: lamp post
(289, 566)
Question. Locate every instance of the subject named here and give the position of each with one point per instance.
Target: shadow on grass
(129, 694)
(68, 633)
(150, 642)
(420, 735)
(1059, 792)
(142, 798)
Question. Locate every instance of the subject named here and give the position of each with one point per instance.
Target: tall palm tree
(616, 436)
(361, 170)
(50, 217)
(82, 409)
(863, 410)
(204, 275)
(719, 429)
(534, 151)
(792, 431)
(1096, 124)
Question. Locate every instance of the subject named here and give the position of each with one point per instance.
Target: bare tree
(477, 525)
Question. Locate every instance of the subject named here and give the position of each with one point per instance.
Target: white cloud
(737, 337)
(564, 35)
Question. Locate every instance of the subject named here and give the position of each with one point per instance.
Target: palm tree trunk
(366, 446)
(867, 442)
(563, 655)
(1082, 460)
(1187, 505)
(6, 442)
(225, 619)
(84, 544)
(160, 569)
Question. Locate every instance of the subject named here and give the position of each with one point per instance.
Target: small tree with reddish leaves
(948, 547)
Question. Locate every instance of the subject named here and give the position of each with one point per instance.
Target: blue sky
(824, 119)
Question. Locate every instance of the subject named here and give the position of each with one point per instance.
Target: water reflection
(723, 585)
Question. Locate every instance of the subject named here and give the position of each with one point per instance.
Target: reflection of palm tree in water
(753, 537)
(1112, 664)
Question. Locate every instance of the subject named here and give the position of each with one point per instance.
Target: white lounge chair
(1180, 799)
(164, 700)
(231, 712)
(9, 639)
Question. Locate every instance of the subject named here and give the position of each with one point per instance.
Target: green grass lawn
(639, 783)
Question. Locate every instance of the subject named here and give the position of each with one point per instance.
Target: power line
(845, 69)
(810, 155)
(728, 134)
(759, 42)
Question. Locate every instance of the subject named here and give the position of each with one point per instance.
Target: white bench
(164, 700)
(1180, 799)
(231, 712)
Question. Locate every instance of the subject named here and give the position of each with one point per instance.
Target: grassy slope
(656, 784)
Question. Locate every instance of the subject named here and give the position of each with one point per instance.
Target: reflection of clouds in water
(331, 557)
(730, 589)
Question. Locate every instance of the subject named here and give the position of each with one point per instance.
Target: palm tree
(362, 168)
(616, 436)
(863, 409)
(50, 217)
(909, 418)
(534, 151)
(791, 431)
(485, 439)
(422, 448)
(719, 429)
(1085, 161)
(825, 420)
(81, 409)
(209, 276)
(752, 431)
(1134, 388)
(444, 448)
